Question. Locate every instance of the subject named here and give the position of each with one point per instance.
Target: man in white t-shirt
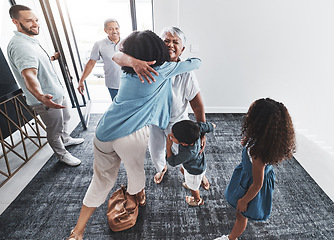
(105, 49)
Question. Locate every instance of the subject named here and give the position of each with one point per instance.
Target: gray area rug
(49, 206)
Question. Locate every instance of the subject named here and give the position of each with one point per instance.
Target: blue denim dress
(259, 208)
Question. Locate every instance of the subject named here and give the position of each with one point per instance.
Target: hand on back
(144, 70)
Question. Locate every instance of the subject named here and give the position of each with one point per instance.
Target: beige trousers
(56, 122)
(131, 150)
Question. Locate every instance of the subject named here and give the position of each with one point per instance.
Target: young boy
(187, 134)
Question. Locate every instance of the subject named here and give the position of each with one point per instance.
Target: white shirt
(185, 87)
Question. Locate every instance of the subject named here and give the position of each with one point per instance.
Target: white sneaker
(73, 141)
(224, 237)
(70, 160)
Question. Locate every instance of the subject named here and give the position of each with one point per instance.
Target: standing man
(105, 49)
(40, 84)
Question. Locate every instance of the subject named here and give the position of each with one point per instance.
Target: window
(144, 14)
(87, 19)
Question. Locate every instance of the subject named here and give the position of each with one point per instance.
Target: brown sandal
(160, 175)
(205, 183)
(192, 202)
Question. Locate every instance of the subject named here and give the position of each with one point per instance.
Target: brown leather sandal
(160, 175)
(205, 183)
(192, 202)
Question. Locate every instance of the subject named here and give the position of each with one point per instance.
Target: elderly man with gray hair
(105, 49)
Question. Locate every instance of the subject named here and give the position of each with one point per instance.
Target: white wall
(283, 49)
(252, 49)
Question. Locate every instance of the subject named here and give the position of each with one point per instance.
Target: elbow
(115, 57)
(198, 109)
(258, 186)
(171, 163)
(196, 62)
(199, 63)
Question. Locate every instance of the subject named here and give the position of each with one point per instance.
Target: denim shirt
(139, 104)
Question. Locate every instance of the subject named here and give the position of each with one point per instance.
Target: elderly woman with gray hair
(185, 89)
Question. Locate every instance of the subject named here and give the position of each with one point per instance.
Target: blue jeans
(113, 92)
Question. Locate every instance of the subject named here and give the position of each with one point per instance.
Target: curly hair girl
(268, 131)
(268, 139)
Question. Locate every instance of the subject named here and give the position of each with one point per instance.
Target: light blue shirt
(139, 104)
(25, 52)
(106, 49)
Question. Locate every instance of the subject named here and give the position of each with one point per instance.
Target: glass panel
(87, 19)
(6, 27)
(44, 34)
(144, 14)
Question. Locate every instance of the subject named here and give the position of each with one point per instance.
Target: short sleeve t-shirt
(25, 52)
(105, 49)
(185, 87)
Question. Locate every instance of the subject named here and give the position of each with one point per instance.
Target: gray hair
(174, 31)
(110, 20)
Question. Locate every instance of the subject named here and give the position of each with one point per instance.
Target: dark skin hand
(142, 68)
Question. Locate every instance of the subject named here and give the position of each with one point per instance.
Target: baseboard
(317, 161)
(226, 110)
